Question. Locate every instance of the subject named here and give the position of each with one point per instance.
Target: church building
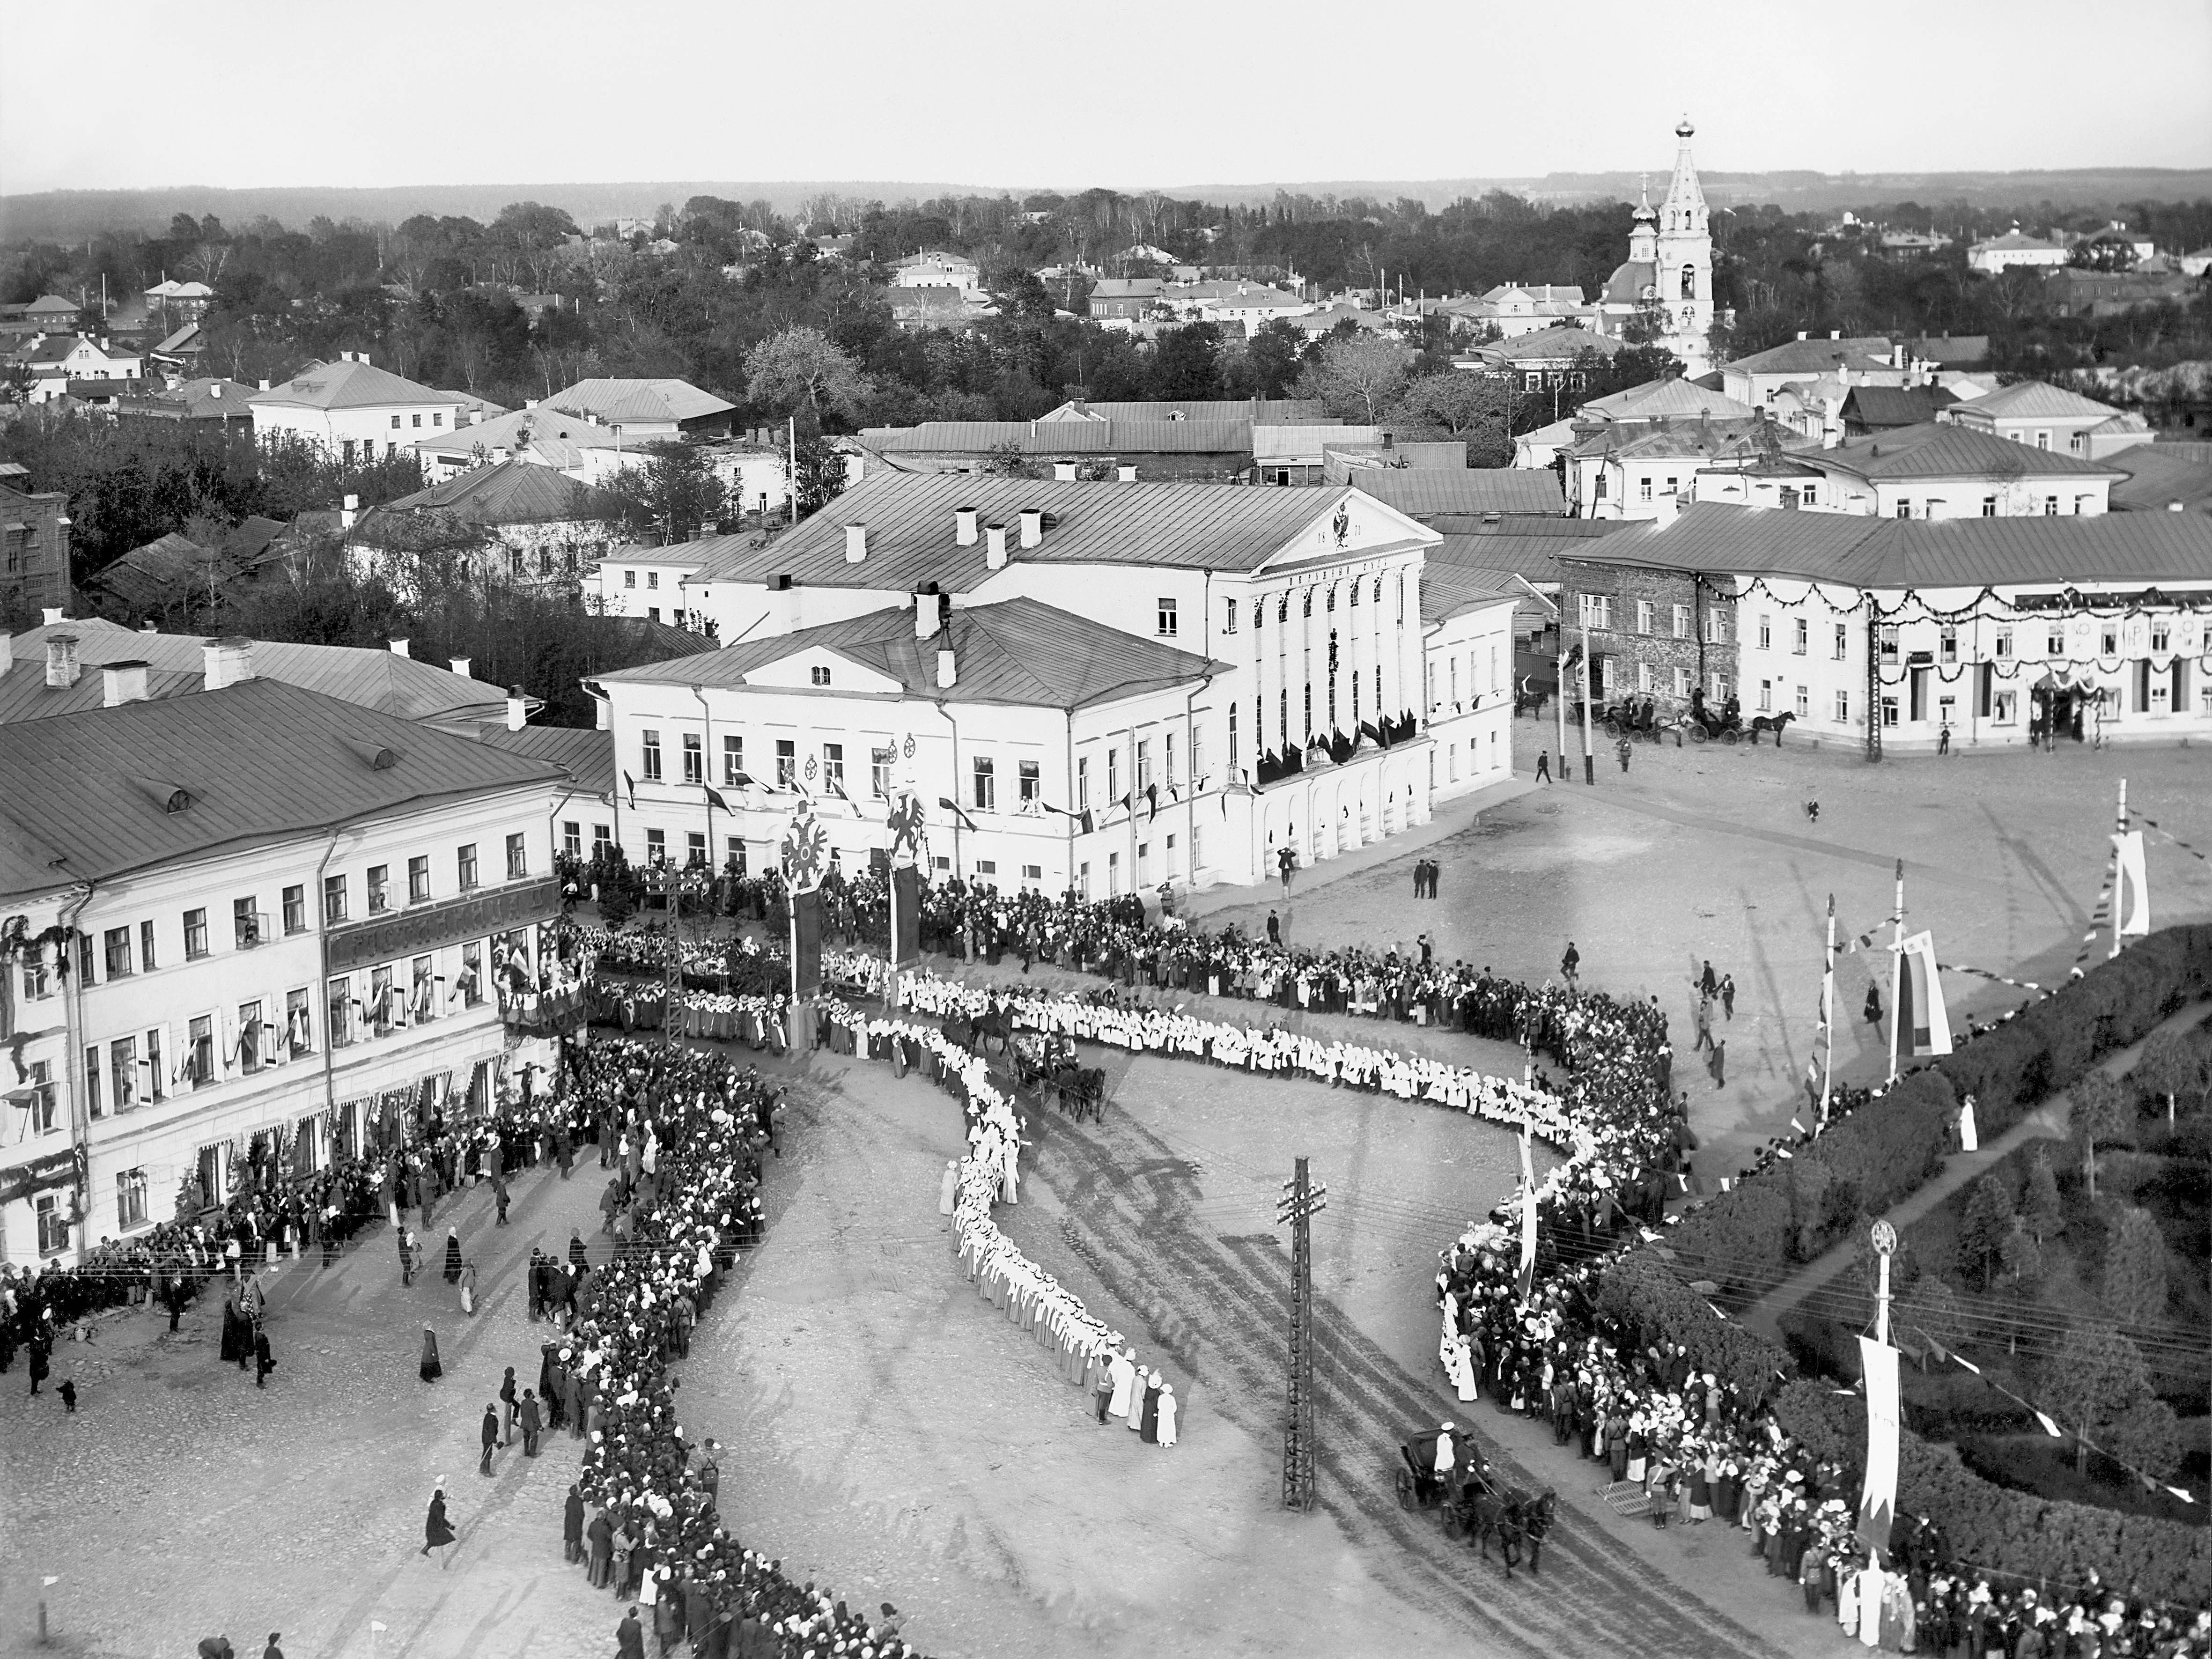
(1670, 265)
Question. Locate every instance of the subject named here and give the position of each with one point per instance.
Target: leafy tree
(2170, 1064)
(675, 492)
(821, 472)
(2039, 1206)
(1931, 1309)
(1357, 376)
(2103, 1113)
(1186, 362)
(2149, 1436)
(2093, 1381)
(1456, 400)
(2024, 1268)
(2135, 1268)
(800, 365)
(1272, 356)
(1982, 1230)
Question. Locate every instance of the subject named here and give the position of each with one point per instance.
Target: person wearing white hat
(949, 1189)
(1167, 1414)
(1124, 1372)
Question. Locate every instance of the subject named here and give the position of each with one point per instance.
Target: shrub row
(1888, 1147)
(1993, 1526)
(1638, 1293)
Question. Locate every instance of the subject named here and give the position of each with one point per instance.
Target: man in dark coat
(572, 1525)
(489, 1436)
(629, 1636)
(532, 1421)
(264, 1362)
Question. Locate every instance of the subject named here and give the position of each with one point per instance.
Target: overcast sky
(306, 92)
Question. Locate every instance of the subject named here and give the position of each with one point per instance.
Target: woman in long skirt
(469, 1288)
(431, 1370)
(437, 1531)
(1167, 1414)
(452, 1255)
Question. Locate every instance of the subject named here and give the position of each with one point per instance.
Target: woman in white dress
(1462, 1367)
(1167, 1414)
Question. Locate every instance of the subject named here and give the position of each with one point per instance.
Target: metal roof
(377, 681)
(1473, 489)
(503, 431)
(585, 755)
(2033, 399)
(1532, 558)
(1450, 590)
(2157, 477)
(1048, 438)
(346, 385)
(910, 532)
(512, 492)
(1815, 357)
(618, 400)
(1944, 449)
(1902, 553)
(1888, 407)
(1665, 399)
(1260, 412)
(257, 762)
(1021, 651)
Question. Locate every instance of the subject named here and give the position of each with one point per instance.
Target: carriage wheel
(1612, 727)
(1405, 1490)
(1698, 734)
(1729, 737)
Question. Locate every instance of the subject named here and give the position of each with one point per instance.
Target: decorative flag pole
(1828, 1014)
(1878, 1496)
(2119, 830)
(1897, 1015)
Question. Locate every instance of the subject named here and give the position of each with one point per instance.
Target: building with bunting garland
(1881, 633)
(245, 928)
(1305, 605)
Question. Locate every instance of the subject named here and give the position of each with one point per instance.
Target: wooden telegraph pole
(1300, 1203)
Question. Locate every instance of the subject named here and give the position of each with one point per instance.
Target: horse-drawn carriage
(1476, 1504)
(1046, 1061)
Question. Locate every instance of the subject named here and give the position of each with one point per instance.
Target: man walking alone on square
(491, 1437)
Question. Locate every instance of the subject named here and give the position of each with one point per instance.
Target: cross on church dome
(1685, 129)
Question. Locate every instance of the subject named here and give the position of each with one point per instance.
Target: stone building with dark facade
(35, 555)
(1653, 630)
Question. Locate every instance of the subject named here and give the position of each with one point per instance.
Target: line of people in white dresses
(1086, 1354)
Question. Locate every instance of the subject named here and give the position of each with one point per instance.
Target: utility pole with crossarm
(1300, 1203)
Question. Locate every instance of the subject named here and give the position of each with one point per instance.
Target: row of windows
(1597, 613)
(1373, 587)
(127, 949)
(1934, 506)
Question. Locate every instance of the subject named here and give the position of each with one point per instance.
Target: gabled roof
(1127, 287)
(1422, 490)
(2087, 550)
(1816, 356)
(257, 761)
(503, 432)
(185, 339)
(1499, 557)
(1547, 343)
(52, 305)
(2157, 477)
(619, 401)
(511, 492)
(377, 681)
(1450, 590)
(1882, 407)
(1259, 411)
(1946, 449)
(1697, 440)
(1048, 438)
(152, 574)
(2035, 400)
(346, 385)
(910, 530)
(2013, 241)
(1950, 350)
(1020, 651)
(1668, 399)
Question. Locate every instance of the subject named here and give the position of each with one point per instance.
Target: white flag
(1919, 1012)
(1878, 1496)
(2131, 903)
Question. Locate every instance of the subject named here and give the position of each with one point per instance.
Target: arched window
(1689, 281)
(1283, 608)
(1309, 602)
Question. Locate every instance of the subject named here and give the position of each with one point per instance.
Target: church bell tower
(1685, 249)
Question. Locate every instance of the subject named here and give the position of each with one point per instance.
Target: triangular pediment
(797, 672)
(1351, 524)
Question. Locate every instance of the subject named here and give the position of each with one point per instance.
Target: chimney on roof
(1063, 472)
(518, 709)
(214, 389)
(460, 666)
(7, 652)
(51, 615)
(948, 672)
(925, 614)
(399, 647)
(995, 546)
(856, 544)
(226, 662)
(1032, 526)
(61, 661)
(148, 627)
(476, 417)
(2174, 506)
(964, 519)
(1126, 474)
(361, 357)
(1800, 333)
(121, 683)
(350, 512)
(265, 386)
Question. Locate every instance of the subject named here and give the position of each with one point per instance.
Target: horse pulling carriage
(1047, 1061)
(1476, 1505)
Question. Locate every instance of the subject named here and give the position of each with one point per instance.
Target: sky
(306, 92)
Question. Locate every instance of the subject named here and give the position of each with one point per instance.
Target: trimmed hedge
(1638, 1293)
(1882, 1152)
(1992, 1526)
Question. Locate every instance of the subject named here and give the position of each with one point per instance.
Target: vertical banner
(906, 904)
(2131, 898)
(1902, 1017)
(806, 935)
(1878, 1497)
(1922, 1018)
(1528, 1217)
